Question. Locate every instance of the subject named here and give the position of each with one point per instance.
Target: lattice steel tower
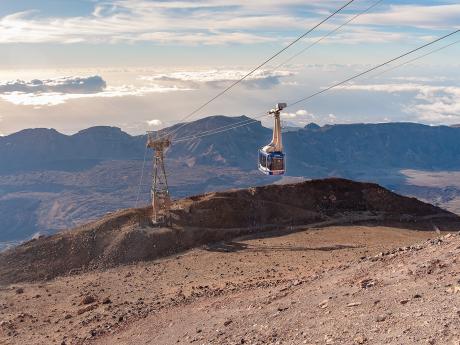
(161, 200)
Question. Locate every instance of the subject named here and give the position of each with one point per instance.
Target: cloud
(73, 85)
(154, 123)
(435, 16)
(212, 22)
(366, 35)
(421, 79)
(51, 92)
(435, 104)
(331, 118)
(302, 113)
(153, 21)
(217, 78)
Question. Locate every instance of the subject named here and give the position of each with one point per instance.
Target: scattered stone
(106, 301)
(381, 318)
(360, 339)
(88, 299)
(227, 322)
(19, 291)
(323, 304)
(86, 309)
(454, 289)
(404, 301)
(354, 304)
(367, 283)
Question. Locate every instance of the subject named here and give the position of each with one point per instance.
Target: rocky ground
(335, 285)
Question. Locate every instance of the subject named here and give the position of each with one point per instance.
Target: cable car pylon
(271, 156)
(161, 199)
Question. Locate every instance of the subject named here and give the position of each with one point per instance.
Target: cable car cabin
(271, 163)
(271, 156)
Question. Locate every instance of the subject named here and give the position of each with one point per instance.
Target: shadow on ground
(232, 246)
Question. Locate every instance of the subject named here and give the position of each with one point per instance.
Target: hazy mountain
(49, 180)
(379, 146)
(44, 149)
(386, 145)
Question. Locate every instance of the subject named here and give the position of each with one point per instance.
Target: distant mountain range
(311, 150)
(49, 180)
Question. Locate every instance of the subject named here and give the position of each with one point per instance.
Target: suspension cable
(372, 69)
(293, 57)
(220, 129)
(255, 119)
(229, 126)
(231, 86)
(415, 59)
(285, 62)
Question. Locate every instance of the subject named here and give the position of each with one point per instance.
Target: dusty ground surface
(336, 285)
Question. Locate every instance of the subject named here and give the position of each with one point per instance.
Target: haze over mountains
(50, 181)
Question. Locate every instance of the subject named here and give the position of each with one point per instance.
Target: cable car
(272, 160)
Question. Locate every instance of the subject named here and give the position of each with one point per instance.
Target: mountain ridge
(51, 181)
(128, 236)
(397, 145)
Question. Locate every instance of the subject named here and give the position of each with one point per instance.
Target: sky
(145, 64)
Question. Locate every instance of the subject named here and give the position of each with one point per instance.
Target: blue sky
(184, 51)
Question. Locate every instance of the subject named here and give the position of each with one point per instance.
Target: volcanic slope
(127, 236)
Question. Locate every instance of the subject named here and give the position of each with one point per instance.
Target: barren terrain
(320, 262)
(336, 285)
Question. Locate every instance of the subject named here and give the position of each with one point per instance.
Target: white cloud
(302, 113)
(154, 123)
(366, 35)
(421, 79)
(212, 22)
(160, 22)
(331, 118)
(435, 16)
(437, 104)
(51, 92)
(74, 85)
(215, 77)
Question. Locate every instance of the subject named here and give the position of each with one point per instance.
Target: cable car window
(262, 160)
(277, 164)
